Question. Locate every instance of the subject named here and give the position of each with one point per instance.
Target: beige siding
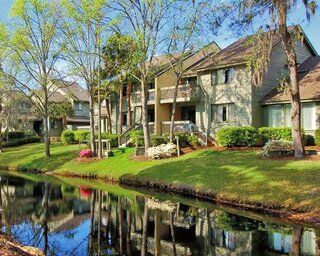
(276, 72)
(238, 92)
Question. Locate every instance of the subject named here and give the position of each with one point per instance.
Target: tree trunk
(45, 205)
(128, 234)
(173, 111)
(92, 207)
(91, 113)
(46, 134)
(144, 230)
(129, 90)
(108, 114)
(173, 234)
(294, 83)
(296, 241)
(99, 127)
(144, 106)
(120, 106)
(120, 226)
(99, 220)
(157, 242)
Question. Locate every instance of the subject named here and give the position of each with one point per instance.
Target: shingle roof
(56, 97)
(76, 91)
(236, 53)
(309, 81)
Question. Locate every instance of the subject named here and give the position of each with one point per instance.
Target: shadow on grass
(52, 163)
(238, 175)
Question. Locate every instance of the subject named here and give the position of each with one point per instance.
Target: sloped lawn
(240, 176)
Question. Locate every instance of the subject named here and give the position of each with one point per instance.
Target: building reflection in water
(66, 220)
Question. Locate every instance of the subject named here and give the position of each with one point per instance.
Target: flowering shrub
(86, 153)
(278, 146)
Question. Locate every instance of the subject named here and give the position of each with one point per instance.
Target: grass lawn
(241, 176)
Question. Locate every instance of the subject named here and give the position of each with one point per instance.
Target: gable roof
(309, 82)
(75, 90)
(237, 53)
(193, 58)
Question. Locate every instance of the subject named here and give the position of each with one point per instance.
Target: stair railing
(124, 137)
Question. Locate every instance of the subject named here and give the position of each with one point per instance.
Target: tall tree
(183, 40)
(278, 11)
(145, 20)
(32, 53)
(119, 64)
(84, 26)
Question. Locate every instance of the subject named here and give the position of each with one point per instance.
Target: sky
(225, 37)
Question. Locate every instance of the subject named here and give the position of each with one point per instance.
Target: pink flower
(86, 153)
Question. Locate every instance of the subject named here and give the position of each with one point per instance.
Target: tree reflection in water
(65, 220)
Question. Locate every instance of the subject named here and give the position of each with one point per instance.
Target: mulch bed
(10, 248)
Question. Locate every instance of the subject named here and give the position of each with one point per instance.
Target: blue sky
(226, 37)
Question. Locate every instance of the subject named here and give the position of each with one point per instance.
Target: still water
(79, 217)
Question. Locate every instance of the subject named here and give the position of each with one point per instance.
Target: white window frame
(80, 106)
(214, 112)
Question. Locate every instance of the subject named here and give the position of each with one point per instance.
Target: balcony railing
(136, 97)
(186, 93)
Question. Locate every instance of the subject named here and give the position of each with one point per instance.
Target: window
(124, 118)
(79, 106)
(308, 116)
(214, 77)
(228, 75)
(124, 91)
(275, 116)
(222, 113)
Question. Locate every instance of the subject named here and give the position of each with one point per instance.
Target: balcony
(136, 98)
(186, 93)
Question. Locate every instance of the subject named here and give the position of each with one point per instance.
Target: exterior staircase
(124, 137)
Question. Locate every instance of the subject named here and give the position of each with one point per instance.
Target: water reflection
(77, 220)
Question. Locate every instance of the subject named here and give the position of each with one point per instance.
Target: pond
(81, 217)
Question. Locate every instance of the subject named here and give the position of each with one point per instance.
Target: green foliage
(237, 136)
(227, 221)
(183, 138)
(21, 141)
(309, 140)
(112, 137)
(16, 135)
(137, 136)
(157, 140)
(81, 135)
(317, 137)
(61, 109)
(275, 133)
(282, 146)
(67, 137)
(193, 140)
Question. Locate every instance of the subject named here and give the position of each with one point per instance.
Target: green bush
(112, 137)
(193, 140)
(283, 146)
(23, 141)
(157, 140)
(137, 136)
(183, 138)
(81, 135)
(67, 137)
(317, 137)
(275, 133)
(237, 136)
(16, 135)
(309, 140)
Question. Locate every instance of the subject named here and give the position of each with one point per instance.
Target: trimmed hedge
(237, 136)
(157, 140)
(20, 142)
(275, 133)
(81, 135)
(16, 135)
(67, 137)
